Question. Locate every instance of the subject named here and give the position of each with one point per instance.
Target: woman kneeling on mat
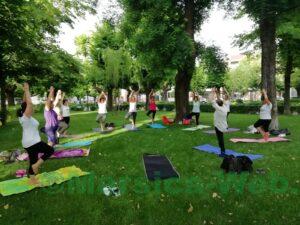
(196, 107)
(152, 106)
(31, 139)
(102, 111)
(51, 117)
(220, 120)
(262, 125)
(132, 113)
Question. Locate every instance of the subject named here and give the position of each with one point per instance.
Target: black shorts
(263, 123)
(67, 120)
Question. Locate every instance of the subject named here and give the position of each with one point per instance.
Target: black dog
(236, 164)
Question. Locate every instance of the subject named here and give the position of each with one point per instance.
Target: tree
(161, 35)
(266, 14)
(199, 80)
(34, 36)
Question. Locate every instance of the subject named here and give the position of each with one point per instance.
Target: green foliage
(199, 80)
(246, 76)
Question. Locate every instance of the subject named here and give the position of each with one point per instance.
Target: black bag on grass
(236, 164)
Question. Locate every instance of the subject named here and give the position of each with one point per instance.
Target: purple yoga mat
(69, 153)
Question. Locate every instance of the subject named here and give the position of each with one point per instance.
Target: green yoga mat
(17, 186)
(199, 127)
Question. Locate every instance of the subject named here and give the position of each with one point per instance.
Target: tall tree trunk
(184, 76)
(267, 28)
(3, 113)
(287, 82)
(147, 90)
(110, 99)
(10, 93)
(165, 90)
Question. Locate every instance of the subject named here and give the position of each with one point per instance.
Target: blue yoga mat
(75, 144)
(216, 150)
(156, 126)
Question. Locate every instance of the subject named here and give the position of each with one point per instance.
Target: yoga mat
(158, 166)
(128, 127)
(79, 136)
(156, 126)
(102, 132)
(257, 140)
(68, 153)
(199, 127)
(73, 144)
(17, 186)
(216, 150)
(229, 130)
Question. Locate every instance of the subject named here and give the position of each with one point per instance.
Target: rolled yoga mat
(158, 167)
(258, 140)
(216, 150)
(17, 186)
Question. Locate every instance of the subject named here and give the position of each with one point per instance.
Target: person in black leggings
(31, 139)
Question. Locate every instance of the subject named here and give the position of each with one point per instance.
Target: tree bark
(3, 113)
(184, 76)
(267, 28)
(110, 99)
(165, 90)
(287, 82)
(10, 93)
(147, 90)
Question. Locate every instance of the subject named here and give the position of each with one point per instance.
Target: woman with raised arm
(31, 139)
(152, 106)
(132, 112)
(196, 107)
(220, 120)
(62, 125)
(262, 125)
(51, 117)
(102, 111)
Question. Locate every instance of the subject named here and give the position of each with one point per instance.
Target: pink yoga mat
(256, 140)
(69, 153)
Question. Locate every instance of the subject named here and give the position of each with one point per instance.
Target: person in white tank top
(132, 112)
(196, 107)
(102, 111)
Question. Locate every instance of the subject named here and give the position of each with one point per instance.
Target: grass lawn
(202, 195)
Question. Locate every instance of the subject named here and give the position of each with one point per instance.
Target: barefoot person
(220, 120)
(102, 111)
(196, 107)
(132, 112)
(262, 125)
(152, 106)
(31, 139)
(51, 118)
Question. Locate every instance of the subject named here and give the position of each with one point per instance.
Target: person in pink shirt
(152, 106)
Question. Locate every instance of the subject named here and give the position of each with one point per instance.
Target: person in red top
(152, 106)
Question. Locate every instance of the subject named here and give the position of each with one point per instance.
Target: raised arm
(267, 100)
(27, 98)
(57, 100)
(226, 94)
(50, 98)
(151, 93)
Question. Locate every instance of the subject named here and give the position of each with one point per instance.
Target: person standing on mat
(152, 106)
(31, 139)
(196, 107)
(66, 114)
(132, 112)
(102, 111)
(62, 125)
(220, 120)
(226, 101)
(262, 125)
(51, 118)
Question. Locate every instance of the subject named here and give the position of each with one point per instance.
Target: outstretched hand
(51, 89)
(26, 86)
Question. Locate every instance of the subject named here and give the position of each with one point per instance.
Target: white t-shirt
(65, 110)
(227, 104)
(102, 108)
(132, 106)
(220, 116)
(265, 112)
(31, 134)
(196, 107)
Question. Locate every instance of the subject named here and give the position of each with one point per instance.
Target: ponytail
(21, 110)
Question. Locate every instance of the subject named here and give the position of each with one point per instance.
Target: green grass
(116, 158)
